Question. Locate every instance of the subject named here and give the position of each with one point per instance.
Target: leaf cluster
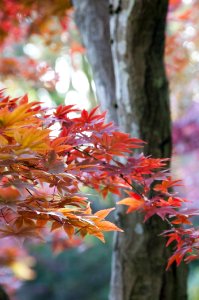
(43, 172)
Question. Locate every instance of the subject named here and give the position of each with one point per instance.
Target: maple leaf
(18, 116)
(58, 145)
(110, 188)
(90, 118)
(177, 257)
(135, 202)
(102, 214)
(21, 233)
(180, 219)
(69, 229)
(166, 184)
(62, 111)
(41, 177)
(100, 225)
(32, 139)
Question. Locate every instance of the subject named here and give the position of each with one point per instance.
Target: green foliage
(82, 273)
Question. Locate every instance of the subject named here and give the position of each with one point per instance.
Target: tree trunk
(92, 18)
(142, 105)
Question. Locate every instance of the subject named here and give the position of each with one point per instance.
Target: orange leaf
(133, 203)
(182, 220)
(69, 229)
(107, 226)
(101, 214)
(55, 225)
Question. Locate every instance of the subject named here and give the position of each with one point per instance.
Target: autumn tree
(42, 176)
(132, 86)
(125, 44)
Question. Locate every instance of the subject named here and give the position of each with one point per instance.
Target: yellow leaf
(32, 138)
(22, 112)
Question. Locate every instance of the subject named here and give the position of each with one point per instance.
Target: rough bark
(137, 34)
(142, 105)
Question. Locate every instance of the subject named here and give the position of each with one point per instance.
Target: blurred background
(42, 55)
